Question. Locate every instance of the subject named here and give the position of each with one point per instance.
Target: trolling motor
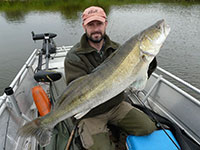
(41, 99)
(48, 47)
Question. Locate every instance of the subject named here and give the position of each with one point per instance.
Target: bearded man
(94, 47)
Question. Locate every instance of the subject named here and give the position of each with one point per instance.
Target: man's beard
(95, 40)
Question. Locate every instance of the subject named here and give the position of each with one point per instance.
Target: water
(179, 55)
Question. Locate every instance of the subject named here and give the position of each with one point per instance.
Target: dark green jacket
(82, 59)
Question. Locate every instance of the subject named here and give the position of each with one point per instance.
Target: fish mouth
(160, 31)
(165, 27)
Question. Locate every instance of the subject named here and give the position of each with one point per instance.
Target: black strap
(177, 132)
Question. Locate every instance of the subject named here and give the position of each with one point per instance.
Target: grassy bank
(16, 9)
(56, 5)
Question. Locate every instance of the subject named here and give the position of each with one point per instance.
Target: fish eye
(143, 57)
(159, 27)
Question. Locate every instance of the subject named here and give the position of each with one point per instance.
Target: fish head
(153, 38)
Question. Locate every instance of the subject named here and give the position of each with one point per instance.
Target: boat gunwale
(179, 90)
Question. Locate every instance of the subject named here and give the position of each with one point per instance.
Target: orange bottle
(41, 100)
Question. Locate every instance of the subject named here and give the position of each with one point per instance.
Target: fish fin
(81, 114)
(34, 128)
(139, 84)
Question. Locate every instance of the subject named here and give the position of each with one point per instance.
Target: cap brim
(92, 18)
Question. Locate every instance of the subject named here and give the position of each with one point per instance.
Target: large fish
(129, 64)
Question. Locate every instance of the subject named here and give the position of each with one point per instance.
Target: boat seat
(59, 86)
(47, 76)
(157, 140)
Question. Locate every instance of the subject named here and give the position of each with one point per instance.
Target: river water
(179, 55)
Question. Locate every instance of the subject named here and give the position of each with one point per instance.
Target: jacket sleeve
(74, 68)
(152, 67)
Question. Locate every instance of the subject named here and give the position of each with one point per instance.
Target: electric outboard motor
(52, 47)
(48, 47)
(46, 37)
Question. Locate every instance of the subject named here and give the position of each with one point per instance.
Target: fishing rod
(150, 112)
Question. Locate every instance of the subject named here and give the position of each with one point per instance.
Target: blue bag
(157, 140)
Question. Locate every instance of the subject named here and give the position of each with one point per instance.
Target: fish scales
(102, 78)
(129, 64)
(105, 81)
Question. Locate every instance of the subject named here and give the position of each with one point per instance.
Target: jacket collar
(86, 48)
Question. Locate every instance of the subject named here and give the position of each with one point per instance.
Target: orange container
(41, 100)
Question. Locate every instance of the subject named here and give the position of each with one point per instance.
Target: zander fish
(128, 64)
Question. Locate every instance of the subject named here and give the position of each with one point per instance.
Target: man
(94, 47)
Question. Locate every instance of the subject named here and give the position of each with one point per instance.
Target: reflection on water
(179, 54)
(16, 10)
(15, 16)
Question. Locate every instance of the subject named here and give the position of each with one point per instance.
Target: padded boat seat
(47, 76)
(157, 140)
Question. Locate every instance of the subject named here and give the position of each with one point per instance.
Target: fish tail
(35, 128)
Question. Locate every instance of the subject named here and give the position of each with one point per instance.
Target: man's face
(95, 30)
